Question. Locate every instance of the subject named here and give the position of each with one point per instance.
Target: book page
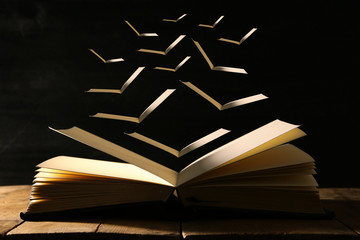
(244, 146)
(101, 168)
(192, 146)
(155, 104)
(278, 157)
(122, 153)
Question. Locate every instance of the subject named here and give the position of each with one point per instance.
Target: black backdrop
(303, 56)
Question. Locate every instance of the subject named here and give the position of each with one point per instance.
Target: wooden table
(345, 202)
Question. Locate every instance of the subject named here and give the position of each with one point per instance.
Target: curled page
(270, 135)
(218, 68)
(174, 20)
(176, 68)
(192, 146)
(241, 40)
(236, 103)
(212, 26)
(119, 152)
(146, 113)
(124, 86)
(106, 61)
(168, 49)
(141, 34)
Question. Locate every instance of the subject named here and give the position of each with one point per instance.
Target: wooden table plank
(54, 230)
(345, 203)
(346, 224)
(13, 200)
(140, 229)
(265, 229)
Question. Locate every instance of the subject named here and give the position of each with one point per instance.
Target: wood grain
(140, 229)
(266, 229)
(344, 202)
(53, 230)
(13, 200)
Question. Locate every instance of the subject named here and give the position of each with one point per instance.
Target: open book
(106, 61)
(211, 26)
(257, 171)
(124, 86)
(141, 34)
(241, 40)
(176, 68)
(235, 103)
(218, 68)
(167, 50)
(143, 115)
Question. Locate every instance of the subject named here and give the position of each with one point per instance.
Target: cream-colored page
(174, 20)
(141, 34)
(242, 40)
(124, 86)
(192, 146)
(106, 61)
(243, 101)
(236, 149)
(176, 68)
(168, 49)
(218, 68)
(102, 168)
(277, 157)
(211, 26)
(273, 181)
(155, 104)
(122, 153)
(228, 105)
(146, 112)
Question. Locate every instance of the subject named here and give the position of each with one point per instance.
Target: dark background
(303, 56)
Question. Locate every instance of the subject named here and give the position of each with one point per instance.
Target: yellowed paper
(218, 68)
(124, 86)
(176, 68)
(212, 26)
(106, 61)
(167, 50)
(141, 34)
(174, 20)
(236, 103)
(192, 146)
(146, 113)
(268, 136)
(100, 168)
(117, 151)
(241, 40)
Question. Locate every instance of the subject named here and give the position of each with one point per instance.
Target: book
(167, 50)
(106, 61)
(217, 68)
(212, 26)
(176, 68)
(122, 89)
(241, 40)
(235, 103)
(258, 171)
(174, 20)
(143, 115)
(141, 34)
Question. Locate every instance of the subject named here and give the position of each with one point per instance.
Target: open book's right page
(270, 135)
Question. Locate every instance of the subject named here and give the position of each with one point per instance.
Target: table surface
(344, 202)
